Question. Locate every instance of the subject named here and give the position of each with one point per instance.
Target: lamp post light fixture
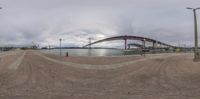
(196, 50)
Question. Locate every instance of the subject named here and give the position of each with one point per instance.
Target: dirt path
(36, 76)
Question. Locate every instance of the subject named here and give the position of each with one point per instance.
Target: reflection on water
(87, 52)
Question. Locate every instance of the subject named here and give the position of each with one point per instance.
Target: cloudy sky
(45, 21)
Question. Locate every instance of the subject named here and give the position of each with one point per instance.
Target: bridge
(139, 38)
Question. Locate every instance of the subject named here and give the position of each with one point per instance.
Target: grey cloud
(45, 21)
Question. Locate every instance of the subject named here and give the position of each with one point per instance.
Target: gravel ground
(38, 76)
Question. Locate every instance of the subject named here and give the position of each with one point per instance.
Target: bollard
(67, 54)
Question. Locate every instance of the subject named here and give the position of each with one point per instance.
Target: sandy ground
(32, 75)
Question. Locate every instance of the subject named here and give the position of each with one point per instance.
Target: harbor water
(89, 52)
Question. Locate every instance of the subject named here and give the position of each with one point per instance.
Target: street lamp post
(196, 51)
(144, 46)
(60, 47)
(2, 47)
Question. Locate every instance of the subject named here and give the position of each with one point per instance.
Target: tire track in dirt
(4, 54)
(88, 66)
(22, 82)
(16, 63)
(165, 78)
(154, 76)
(183, 78)
(99, 67)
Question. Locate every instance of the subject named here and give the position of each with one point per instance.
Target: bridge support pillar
(125, 44)
(144, 44)
(154, 45)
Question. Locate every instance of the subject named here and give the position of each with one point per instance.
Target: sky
(45, 21)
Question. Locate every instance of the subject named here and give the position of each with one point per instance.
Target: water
(87, 52)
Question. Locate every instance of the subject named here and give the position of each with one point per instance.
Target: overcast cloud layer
(45, 21)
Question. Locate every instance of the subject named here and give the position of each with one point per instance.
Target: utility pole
(196, 49)
(2, 46)
(60, 46)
